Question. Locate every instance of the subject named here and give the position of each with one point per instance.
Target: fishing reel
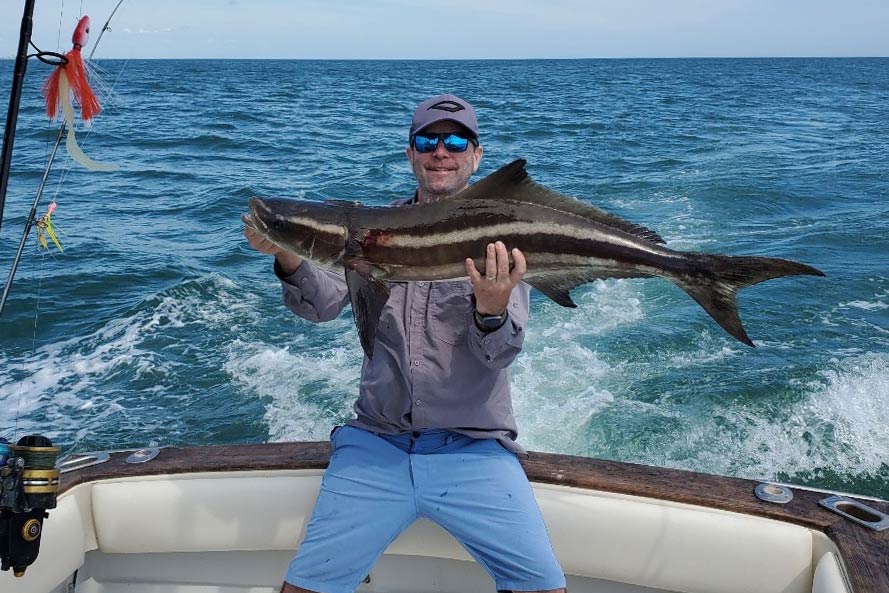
(29, 483)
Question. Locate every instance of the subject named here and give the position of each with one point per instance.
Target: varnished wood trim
(866, 553)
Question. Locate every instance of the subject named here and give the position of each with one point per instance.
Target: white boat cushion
(184, 514)
(675, 547)
(62, 548)
(829, 576)
(629, 540)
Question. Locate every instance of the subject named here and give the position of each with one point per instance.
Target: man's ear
(477, 157)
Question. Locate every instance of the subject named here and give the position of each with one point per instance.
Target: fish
(566, 242)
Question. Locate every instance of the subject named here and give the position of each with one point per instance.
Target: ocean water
(159, 325)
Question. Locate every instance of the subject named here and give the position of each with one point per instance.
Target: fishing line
(36, 274)
(55, 59)
(59, 33)
(62, 129)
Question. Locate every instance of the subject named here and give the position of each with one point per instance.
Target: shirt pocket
(390, 328)
(451, 308)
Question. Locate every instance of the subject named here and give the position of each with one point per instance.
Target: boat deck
(260, 572)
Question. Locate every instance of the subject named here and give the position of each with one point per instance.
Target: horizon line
(489, 59)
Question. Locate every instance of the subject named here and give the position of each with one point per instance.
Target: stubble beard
(434, 194)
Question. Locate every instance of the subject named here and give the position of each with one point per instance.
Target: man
(434, 434)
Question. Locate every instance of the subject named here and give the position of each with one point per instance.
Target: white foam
(602, 307)
(555, 392)
(866, 305)
(58, 388)
(307, 390)
(556, 389)
(838, 423)
(859, 313)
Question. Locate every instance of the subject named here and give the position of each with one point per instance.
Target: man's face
(441, 174)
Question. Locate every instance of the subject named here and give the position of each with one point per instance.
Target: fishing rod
(12, 114)
(32, 216)
(29, 478)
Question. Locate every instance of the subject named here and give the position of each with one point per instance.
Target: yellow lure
(45, 228)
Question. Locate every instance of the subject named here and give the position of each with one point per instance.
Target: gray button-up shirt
(432, 366)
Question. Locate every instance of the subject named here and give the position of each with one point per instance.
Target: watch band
(489, 323)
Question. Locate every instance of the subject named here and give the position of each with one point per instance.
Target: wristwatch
(489, 323)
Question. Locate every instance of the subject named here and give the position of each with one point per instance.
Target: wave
(122, 377)
(827, 431)
(305, 391)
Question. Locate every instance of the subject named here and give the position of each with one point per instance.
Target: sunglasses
(453, 142)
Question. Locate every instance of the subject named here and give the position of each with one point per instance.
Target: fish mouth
(255, 218)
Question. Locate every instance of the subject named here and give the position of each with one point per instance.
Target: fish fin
(512, 182)
(557, 285)
(368, 296)
(716, 287)
(555, 289)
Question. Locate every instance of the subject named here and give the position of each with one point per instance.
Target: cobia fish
(566, 243)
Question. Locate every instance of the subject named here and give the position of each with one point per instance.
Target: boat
(229, 518)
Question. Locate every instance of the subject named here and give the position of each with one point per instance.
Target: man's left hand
(492, 289)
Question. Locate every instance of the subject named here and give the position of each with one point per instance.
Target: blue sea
(158, 325)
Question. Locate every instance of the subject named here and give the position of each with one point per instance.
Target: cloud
(146, 31)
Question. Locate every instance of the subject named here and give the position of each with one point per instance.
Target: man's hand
(286, 260)
(493, 289)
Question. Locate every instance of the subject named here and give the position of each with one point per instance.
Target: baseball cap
(444, 108)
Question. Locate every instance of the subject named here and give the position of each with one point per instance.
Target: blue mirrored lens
(455, 143)
(425, 143)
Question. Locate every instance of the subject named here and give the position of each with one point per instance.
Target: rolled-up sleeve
(314, 294)
(499, 348)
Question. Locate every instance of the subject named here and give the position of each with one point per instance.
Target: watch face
(490, 322)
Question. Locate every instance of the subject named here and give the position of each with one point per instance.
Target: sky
(460, 29)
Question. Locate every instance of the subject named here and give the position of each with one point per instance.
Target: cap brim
(456, 121)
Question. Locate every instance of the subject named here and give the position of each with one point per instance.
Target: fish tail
(716, 279)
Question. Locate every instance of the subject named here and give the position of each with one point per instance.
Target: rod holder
(81, 460)
(857, 512)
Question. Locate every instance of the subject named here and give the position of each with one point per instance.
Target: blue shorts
(377, 485)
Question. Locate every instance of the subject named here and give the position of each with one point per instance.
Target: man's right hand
(287, 261)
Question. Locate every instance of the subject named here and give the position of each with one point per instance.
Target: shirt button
(416, 323)
(421, 283)
(418, 402)
(303, 280)
(416, 363)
